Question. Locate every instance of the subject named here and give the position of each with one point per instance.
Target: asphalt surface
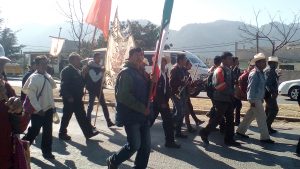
(91, 154)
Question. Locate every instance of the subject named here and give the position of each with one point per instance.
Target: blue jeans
(92, 97)
(138, 139)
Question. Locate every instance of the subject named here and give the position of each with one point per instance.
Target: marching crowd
(227, 86)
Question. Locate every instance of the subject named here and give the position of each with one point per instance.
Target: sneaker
(203, 137)
(65, 137)
(172, 145)
(110, 165)
(180, 135)
(232, 143)
(49, 156)
(272, 131)
(242, 135)
(93, 134)
(268, 141)
(110, 124)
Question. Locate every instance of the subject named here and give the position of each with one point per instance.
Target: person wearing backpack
(210, 90)
(93, 80)
(223, 98)
(39, 89)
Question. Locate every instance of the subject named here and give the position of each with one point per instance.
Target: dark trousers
(78, 108)
(237, 107)
(179, 108)
(213, 112)
(37, 122)
(191, 112)
(298, 147)
(222, 109)
(271, 110)
(92, 97)
(167, 121)
(138, 140)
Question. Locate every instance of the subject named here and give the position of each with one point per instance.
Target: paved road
(91, 154)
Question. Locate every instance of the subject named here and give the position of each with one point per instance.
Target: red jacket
(6, 125)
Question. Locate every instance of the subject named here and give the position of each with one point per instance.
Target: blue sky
(19, 12)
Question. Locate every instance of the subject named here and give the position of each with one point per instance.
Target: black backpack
(209, 86)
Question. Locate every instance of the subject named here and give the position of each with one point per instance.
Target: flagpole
(155, 65)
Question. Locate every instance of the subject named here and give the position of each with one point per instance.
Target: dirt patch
(289, 110)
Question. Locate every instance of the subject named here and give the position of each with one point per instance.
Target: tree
(79, 30)
(144, 36)
(277, 34)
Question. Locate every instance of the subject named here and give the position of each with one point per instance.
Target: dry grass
(290, 110)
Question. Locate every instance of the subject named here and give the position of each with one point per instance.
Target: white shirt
(33, 87)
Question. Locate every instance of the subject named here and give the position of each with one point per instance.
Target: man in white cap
(271, 92)
(255, 95)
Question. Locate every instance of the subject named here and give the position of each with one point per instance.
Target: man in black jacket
(71, 90)
(161, 105)
(93, 80)
(271, 92)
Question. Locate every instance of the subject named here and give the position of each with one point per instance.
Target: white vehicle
(198, 71)
(289, 88)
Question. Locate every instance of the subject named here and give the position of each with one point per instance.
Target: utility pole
(235, 49)
(257, 50)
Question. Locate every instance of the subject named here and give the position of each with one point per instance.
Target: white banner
(117, 53)
(56, 46)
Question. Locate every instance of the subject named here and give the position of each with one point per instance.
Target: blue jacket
(131, 92)
(256, 85)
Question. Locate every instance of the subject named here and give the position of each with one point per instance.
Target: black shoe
(65, 137)
(272, 131)
(109, 164)
(49, 156)
(93, 134)
(269, 141)
(191, 129)
(232, 143)
(203, 137)
(180, 135)
(110, 124)
(237, 123)
(172, 145)
(199, 122)
(242, 135)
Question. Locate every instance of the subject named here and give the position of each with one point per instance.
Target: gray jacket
(256, 85)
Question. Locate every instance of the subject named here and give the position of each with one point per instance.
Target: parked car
(199, 70)
(289, 88)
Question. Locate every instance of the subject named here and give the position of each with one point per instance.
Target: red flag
(99, 15)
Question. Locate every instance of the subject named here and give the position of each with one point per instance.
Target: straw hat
(273, 59)
(257, 57)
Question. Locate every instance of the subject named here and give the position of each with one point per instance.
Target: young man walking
(93, 78)
(132, 90)
(223, 98)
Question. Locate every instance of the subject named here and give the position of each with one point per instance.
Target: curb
(198, 111)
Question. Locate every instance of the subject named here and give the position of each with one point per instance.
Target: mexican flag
(167, 12)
